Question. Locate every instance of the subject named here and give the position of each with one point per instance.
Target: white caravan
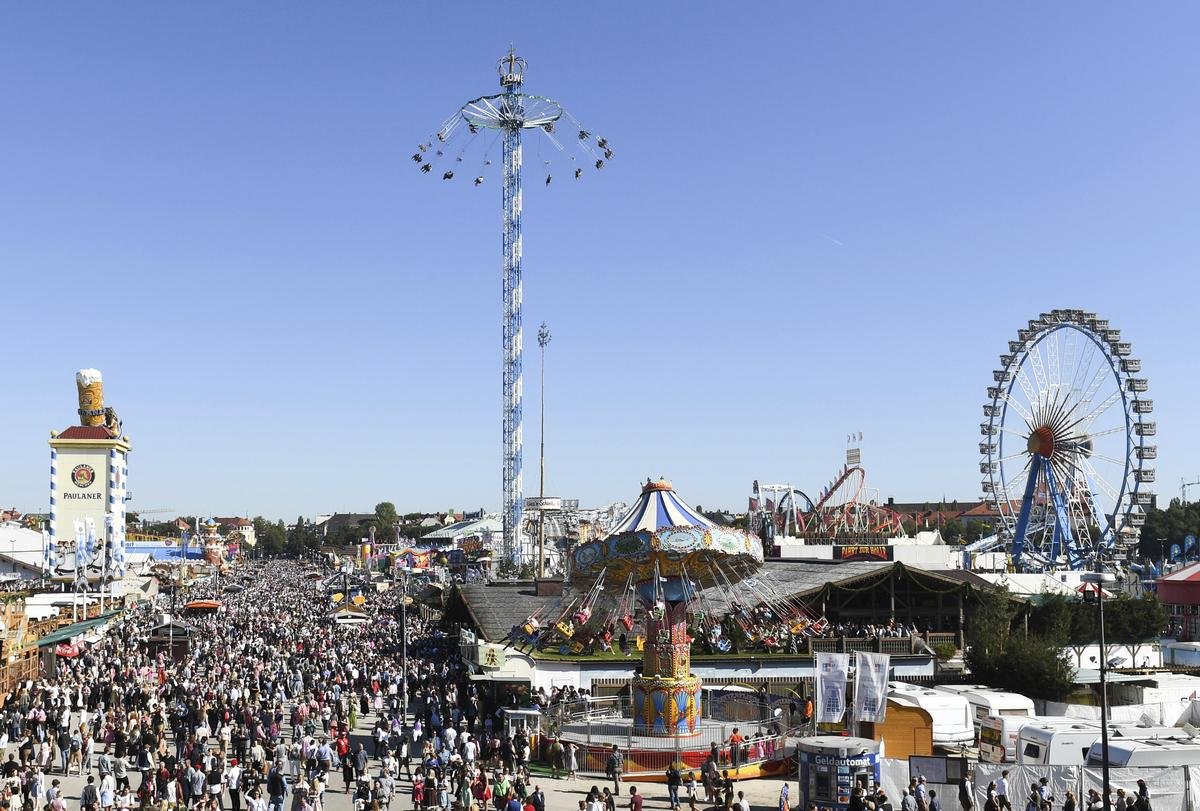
(1134, 754)
(988, 701)
(952, 716)
(1000, 737)
(1056, 742)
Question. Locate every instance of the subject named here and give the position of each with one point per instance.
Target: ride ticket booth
(530, 721)
(831, 767)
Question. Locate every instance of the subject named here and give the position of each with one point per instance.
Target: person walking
(614, 767)
(89, 798)
(735, 749)
(674, 781)
(276, 786)
(966, 796)
(233, 782)
(572, 762)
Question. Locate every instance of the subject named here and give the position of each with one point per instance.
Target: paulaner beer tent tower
(89, 468)
(505, 117)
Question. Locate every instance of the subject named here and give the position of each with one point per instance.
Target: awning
(69, 632)
(203, 605)
(1089, 675)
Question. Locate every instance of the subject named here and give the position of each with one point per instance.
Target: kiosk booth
(831, 767)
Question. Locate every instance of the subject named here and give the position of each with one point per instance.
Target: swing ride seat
(565, 629)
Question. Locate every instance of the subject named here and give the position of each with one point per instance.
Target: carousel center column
(665, 693)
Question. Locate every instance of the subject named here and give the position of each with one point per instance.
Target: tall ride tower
(505, 117)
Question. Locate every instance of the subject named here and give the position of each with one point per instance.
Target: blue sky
(822, 218)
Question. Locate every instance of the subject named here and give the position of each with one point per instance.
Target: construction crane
(1183, 488)
(141, 514)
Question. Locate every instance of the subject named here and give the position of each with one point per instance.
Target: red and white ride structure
(847, 510)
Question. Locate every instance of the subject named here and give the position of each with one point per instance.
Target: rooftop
(1190, 573)
(460, 528)
(497, 607)
(85, 432)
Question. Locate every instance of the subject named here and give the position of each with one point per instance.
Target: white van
(998, 738)
(1056, 742)
(988, 701)
(953, 722)
(1130, 754)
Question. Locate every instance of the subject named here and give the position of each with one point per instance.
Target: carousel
(670, 576)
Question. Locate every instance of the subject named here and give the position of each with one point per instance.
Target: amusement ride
(1064, 444)
(846, 510)
(463, 148)
(666, 576)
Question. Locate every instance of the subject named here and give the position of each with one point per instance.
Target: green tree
(1052, 619)
(988, 631)
(302, 538)
(386, 519)
(1164, 528)
(352, 534)
(973, 531)
(910, 528)
(952, 531)
(271, 538)
(164, 529)
(1035, 665)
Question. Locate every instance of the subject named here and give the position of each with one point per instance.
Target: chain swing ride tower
(505, 117)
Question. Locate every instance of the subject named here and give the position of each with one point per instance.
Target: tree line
(304, 536)
(1002, 653)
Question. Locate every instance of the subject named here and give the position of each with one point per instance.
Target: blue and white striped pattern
(50, 539)
(119, 544)
(81, 554)
(658, 509)
(49, 553)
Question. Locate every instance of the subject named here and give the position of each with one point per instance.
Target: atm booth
(831, 766)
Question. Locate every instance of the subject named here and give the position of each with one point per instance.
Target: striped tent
(658, 508)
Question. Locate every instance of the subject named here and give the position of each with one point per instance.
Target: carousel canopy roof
(658, 508)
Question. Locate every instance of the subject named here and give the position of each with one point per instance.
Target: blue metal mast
(506, 115)
(512, 69)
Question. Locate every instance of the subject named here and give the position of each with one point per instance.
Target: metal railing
(598, 724)
(898, 645)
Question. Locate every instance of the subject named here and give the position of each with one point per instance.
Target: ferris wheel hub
(1041, 442)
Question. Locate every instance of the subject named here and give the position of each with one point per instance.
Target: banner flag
(831, 686)
(870, 686)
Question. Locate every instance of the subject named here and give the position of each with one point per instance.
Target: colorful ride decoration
(668, 553)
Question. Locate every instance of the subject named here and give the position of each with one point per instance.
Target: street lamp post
(1100, 580)
(543, 338)
(404, 650)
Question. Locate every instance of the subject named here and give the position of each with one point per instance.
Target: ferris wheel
(1064, 444)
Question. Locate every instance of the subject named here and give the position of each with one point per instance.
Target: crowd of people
(276, 705)
(271, 706)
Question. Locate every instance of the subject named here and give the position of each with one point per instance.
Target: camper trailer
(988, 701)
(999, 738)
(1134, 754)
(1056, 742)
(952, 716)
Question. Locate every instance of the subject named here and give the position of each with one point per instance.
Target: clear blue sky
(822, 218)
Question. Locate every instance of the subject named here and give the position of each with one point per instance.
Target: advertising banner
(870, 686)
(863, 552)
(831, 686)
